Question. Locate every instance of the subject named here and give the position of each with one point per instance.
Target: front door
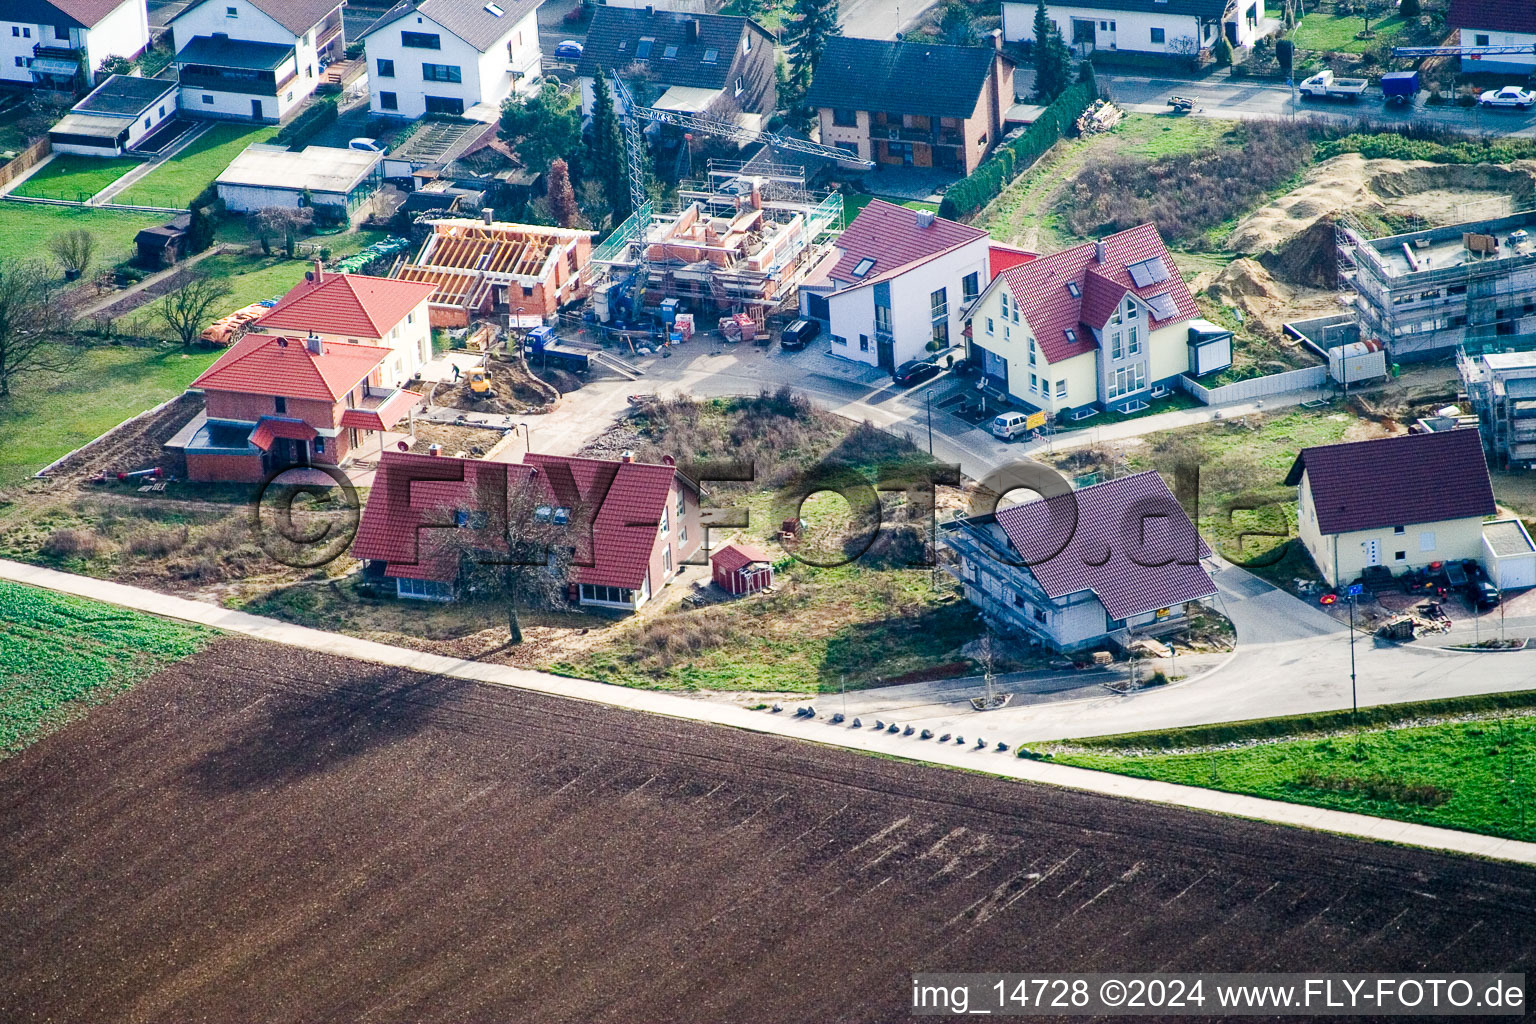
(1372, 552)
(1084, 35)
(256, 113)
(886, 349)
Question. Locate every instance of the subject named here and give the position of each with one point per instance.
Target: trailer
(1398, 88)
(1327, 85)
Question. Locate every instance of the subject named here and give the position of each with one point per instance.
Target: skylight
(623, 45)
(1071, 336)
(495, 10)
(670, 53)
(1073, 290)
(644, 49)
(863, 267)
(711, 56)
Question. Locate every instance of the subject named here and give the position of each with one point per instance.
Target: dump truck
(1327, 85)
(542, 343)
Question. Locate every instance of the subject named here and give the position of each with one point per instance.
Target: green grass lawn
(68, 176)
(64, 654)
(24, 227)
(1471, 775)
(1336, 33)
(853, 202)
(48, 415)
(254, 278)
(178, 181)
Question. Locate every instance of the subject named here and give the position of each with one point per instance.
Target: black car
(797, 334)
(915, 371)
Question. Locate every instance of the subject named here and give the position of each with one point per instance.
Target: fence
(1305, 379)
(25, 161)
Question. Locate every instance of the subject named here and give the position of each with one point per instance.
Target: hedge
(1396, 147)
(977, 189)
(321, 113)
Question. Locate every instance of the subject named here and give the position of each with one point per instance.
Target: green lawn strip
(853, 202)
(253, 278)
(1473, 775)
(64, 654)
(178, 181)
(48, 415)
(26, 227)
(74, 177)
(1336, 33)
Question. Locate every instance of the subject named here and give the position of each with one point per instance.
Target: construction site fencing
(1308, 378)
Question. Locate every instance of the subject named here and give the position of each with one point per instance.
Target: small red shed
(741, 569)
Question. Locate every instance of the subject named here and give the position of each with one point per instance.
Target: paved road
(1222, 97)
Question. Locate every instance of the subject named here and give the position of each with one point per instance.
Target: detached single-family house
(358, 310)
(272, 402)
(1177, 28)
(1081, 569)
(1495, 23)
(633, 525)
(1400, 502)
(266, 175)
(58, 44)
(460, 57)
(710, 64)
(253, 60)
(912, 104)
(900, 283)
(1102, 325)
(115, 117)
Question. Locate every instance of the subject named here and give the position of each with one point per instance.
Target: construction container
(1358, 362)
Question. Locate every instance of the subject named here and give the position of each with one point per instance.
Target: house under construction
(485, 267)
(737, 241)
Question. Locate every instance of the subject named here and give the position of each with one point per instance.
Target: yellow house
(1103, 325)
(1402, 502)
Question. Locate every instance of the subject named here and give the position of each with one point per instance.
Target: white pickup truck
(1325, 85)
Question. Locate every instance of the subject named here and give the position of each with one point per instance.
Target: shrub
(76, 543)
(320, 114)
(1399, 147)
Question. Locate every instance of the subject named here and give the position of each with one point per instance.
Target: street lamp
(527, 437)
(1354, 591)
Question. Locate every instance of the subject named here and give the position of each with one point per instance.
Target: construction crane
(1470, 52)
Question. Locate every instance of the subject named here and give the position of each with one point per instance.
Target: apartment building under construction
(485, 267)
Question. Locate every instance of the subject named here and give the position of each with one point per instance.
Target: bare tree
(188, 310)
(282, 222)
(75, 250)
(515, 542)
(30, 323)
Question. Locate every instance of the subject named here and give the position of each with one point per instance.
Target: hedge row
(322, 113)
(1397, 147)
(976, 190)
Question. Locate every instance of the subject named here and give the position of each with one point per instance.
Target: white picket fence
(1305, 379)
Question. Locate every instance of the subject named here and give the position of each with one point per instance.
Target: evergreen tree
(815, 22)
(562, 198)
(544, 126)
(605, 150)
(1053, 61)
(1088, 76)
(957, 26)
(1222, 51)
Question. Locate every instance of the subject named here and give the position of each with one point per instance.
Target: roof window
(670, 53)
(643, 51)
(1073, 290)
(711, 55)
(864, 266)
(494, 9)
(1071, 336)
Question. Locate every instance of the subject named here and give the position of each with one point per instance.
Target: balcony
(327, 34)
(56, 51)
(379, 408)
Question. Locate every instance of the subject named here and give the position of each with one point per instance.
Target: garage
(1508, 554)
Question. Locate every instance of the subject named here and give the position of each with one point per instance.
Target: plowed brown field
(265, 834)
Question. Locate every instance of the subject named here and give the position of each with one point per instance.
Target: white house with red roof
(356, 309)
(273, 402)
(1496, 23)
(633, 525)
(1102, 325)
(900, 283)
(1081, 569)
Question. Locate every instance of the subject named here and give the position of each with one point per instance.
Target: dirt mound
(1334, 185)
(1266, 301)
(514, 389)
(1306, 258)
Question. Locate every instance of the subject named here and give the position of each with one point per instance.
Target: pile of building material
(1100, 117)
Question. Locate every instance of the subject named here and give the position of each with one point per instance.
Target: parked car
(799, 332)
(1327, 85)
(915, 371)
(1509, 96)
(569, 49)
(366, 145)
(1009, 425)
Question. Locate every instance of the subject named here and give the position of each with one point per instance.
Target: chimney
(693, 30)
(627, 456)
(997, 40)
(1098, 252)
(650, 9)
(486, 214)
(434, 449)
(314, 344)
(925, 218)
(319, 270)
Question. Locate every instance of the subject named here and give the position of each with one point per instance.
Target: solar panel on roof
(1149, 271)
(1163, 305)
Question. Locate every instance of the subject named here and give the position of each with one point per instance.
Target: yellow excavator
(480, 382)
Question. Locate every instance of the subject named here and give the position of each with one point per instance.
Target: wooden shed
(741, 569)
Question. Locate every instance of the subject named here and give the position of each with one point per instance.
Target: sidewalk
(980, 757)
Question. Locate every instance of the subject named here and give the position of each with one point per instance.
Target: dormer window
(863, 267)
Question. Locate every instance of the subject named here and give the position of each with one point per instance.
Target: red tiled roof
(1040, 288)
(383, 417)
(1001, 257)
(1497, 15)
(1115, 533)
(737, 555)
(268, 428)
(265, 364)
(1396, 481)
(623, 501)
(352, 305)
(889, 235)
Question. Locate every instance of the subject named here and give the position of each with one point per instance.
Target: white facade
(122, 32)
(1087, 28)
(402, 78)
(96, 126)
(1501, 63)
(857, 329)
(242, 21)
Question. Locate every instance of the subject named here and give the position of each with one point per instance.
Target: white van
(1009, 425)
